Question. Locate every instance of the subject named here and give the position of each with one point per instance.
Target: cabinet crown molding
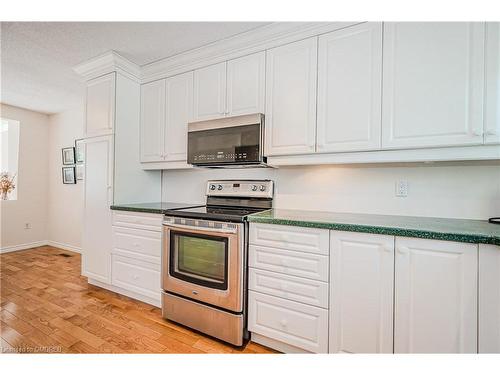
(106, 63)
(256, 40)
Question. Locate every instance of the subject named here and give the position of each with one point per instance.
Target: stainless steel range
(204, 259)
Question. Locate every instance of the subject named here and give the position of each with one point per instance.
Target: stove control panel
(240, 188)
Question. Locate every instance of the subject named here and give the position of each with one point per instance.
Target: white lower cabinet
(98, 196)
(293, 288)
(136, 255)
(137, 276)
(435, 296)
(489, 299)
(295, 324)
(361, 292)
(288, 287)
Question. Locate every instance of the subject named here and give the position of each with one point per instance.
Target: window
(9, 151)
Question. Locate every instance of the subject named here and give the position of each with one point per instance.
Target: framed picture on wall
(79, 151)
(69, 175)
(79, 172)
(68, 155)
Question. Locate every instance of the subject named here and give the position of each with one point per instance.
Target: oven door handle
(206, 229)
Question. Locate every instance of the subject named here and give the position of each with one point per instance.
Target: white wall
(453, 190)
(32, 182)
(65, 202)
(131, 183)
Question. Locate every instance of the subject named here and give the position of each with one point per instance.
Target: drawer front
(137, 243)
(310, 240)
(136, 276)
(293, 288)
(138, 220)
(292, 263)
(293, 323)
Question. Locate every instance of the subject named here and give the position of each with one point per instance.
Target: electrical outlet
(27, 226)
(402, 188)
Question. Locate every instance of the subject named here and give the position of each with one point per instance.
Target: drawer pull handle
(283, 322)
(136, 244)
(136, 277)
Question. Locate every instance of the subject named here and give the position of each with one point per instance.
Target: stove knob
(254, 187)
(219, 187)
(212, 187)
(262, 188)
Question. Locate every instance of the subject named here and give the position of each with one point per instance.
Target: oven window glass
(200, 259)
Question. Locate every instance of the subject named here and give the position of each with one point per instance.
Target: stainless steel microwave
(227, 142)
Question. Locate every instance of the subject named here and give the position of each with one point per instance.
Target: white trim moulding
(482, 152)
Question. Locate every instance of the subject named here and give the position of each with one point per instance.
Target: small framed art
(69, 175)
(68, 155)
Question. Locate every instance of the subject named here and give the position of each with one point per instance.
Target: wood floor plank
(47, 305)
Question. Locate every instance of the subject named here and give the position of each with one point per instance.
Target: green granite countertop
(153, 208)
(472, 231)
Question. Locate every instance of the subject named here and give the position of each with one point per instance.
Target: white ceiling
(37, 57)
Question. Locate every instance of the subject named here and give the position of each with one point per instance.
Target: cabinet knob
(136, 277)
(477, 132)
(283, 322)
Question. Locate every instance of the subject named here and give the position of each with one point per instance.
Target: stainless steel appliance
(204, 259)
(227, 142)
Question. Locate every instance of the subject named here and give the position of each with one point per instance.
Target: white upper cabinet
(100, 107)
(246, 84)
(291, 73)
(435, 296)
(433, 84)
(179, 105)
(361, 293)
(349, 89)
(152, 121)
(210, 92)
(492, 115)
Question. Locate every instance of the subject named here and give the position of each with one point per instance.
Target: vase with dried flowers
(7, 184)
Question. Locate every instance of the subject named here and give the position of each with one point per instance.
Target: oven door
(205, 264)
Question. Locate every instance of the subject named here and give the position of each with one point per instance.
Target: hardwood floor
(46, 306)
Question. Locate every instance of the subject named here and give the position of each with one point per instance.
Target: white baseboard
(24, 246)
(128, 293)
(64, 246)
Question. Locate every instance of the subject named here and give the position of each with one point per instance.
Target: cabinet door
(179, 104)
(98, 196)
(349, 89)
(291, 72)
(210, 92)
(492, 120)
(246, 84)
(433, 84)
(361, 293)
(100, 106)
(435, 297)
(152, 121)
(489, 299)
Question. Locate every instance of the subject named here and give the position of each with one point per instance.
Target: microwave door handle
(206, 229)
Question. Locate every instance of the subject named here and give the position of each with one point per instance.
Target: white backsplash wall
(453, 190)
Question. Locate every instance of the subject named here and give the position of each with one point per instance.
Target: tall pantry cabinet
(112, 166)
